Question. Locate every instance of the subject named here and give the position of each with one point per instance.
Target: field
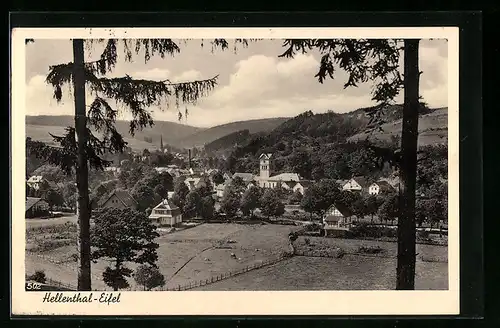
(352, 272)
(432, 129)
(424, 252)
(205, 251)
(185, 256)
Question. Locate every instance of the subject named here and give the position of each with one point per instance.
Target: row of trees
(238, 197)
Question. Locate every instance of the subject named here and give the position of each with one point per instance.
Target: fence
(56, 284)
(227, 275)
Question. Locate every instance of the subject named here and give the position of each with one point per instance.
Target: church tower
(265, 166)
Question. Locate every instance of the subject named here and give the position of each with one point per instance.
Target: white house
(355, 184)
(219, 189)
(113, 169)
(301, 186)
(166, 214)
(336, 218)
(192, 183)
(36, 207)
(35, 182)
(380, 187)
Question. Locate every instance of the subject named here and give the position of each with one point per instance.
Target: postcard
(235, 171)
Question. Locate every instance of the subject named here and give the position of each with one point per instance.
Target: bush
(38, 276)
(365, 230)
(370, 249)
(307, 241)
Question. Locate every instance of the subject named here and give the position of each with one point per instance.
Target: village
(188, 202)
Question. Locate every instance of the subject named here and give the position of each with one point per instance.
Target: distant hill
(38, 127)
(253, 126)
(174, 134)
(227, 141)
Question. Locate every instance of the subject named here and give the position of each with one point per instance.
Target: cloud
(155, 74)
(252, 85)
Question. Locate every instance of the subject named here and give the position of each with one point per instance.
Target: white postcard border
(247, 302)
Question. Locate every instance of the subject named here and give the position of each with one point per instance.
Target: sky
(253, 82)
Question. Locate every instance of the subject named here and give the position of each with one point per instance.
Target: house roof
(35, 179)
(123, 196)
(245, 176)
(30, 201)
(341, 208)
(286, 177)
(384, 185)
(166, 204)
(290, 184)
(362, 181)
(342, 182)
(304, 183)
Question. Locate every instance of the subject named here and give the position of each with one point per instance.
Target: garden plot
(431, 253)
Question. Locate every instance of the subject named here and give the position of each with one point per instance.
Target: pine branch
(364, 60)
(138, 94)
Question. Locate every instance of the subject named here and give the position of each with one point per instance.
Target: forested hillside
(328, 145)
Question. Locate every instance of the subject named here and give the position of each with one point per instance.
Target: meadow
(185, 256)
(351, 272)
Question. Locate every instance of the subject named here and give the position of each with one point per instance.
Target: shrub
(307, 241)
(38, 276)
(370, 249)
(365, 230)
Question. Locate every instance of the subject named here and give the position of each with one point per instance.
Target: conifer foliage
(95, 133)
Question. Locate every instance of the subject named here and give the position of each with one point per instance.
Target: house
(219, 189)
(36, 207)
(251, 184)
(337, 217)
(193, 183)
(380, 187)
(36, 182)
(227, 176)
(301, 186)
(161, 169)
(355, 184)
(166, 214)
(246, 177)
(112, 169)
(119, 199)
(170, 194)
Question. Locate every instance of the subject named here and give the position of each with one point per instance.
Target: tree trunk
(408, 169)
(84, 282)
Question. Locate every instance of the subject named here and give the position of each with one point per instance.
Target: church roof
(265, 156)
(285, 177)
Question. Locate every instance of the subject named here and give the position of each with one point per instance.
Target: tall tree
(250, 200)
(377, 60)
(180, 193)
(123, 235)
(80, 147)
(271, 204)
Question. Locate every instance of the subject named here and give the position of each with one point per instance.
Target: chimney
(189, 158)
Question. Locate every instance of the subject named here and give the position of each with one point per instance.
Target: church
(265, 179)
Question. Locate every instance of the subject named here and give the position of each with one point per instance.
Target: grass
(188, 255)
(436, 253)
(351, 272)
(204, 251)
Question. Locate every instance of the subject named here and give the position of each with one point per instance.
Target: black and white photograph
(252, 164)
